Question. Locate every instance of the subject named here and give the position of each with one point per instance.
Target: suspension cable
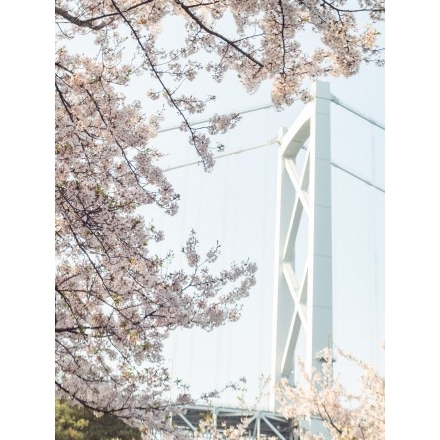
(201, 121)
(220, 156)
(333, 99)
(356, 112)
(358, 177)
(273, 142)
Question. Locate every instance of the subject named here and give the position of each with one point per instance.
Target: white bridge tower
(303, 280)
(302, 319)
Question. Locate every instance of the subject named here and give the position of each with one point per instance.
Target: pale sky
(412, 214)
(235, 204)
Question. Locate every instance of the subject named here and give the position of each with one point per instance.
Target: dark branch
(78, 22)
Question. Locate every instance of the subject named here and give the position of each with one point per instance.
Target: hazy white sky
(412, 214)
(235, 204)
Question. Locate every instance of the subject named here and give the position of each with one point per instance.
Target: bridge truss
(260, 425)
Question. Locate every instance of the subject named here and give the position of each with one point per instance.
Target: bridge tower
(302, 319)
(303, 266)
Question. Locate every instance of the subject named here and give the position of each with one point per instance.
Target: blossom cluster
(344, 414)
(116, 302)
(265, 42)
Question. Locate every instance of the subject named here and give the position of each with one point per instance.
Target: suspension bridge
(302, 316)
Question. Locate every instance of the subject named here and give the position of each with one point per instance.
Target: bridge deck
(261, 424)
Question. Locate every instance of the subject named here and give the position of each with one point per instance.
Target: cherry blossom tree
(345, 415)
(116, 301)
(264, 44)
(208, 429)
(318, 395)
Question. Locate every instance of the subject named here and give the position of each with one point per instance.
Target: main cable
(272, 142)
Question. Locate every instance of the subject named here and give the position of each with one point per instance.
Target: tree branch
(216, 34)
(78, 22)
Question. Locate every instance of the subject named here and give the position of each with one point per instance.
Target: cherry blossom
(116, 301)
(346, 415)
(263, 43)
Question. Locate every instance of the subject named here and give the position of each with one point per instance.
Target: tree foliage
(69, 425)
(78, 423)
(116, 301)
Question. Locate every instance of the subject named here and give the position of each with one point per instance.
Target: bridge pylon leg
(303, 278)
